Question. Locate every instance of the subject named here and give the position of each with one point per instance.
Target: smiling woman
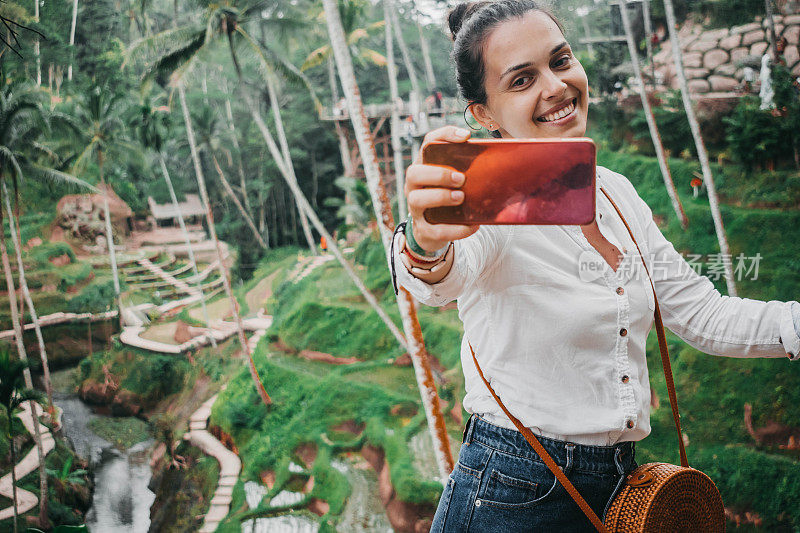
(558, 315)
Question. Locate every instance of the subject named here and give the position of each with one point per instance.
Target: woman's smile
(561, 116)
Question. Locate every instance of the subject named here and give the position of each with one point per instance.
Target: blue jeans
(500, 484)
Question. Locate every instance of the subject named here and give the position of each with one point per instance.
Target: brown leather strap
(673, 401)
(539, 449)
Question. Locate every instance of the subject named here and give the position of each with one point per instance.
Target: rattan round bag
(660, 497)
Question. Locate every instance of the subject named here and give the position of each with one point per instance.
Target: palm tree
(152, 126)
(352, 13)
(412, 72)
(14, 391)
(13, 220)
(72, 38)
(21, 124)
(17, 325)
(651, 121)
(180, 59)
(235, 141)
(426, 56)
(383, 213)
(702, 154)
(397, 147)
(97, 127)
(201, 185)
(207, 127)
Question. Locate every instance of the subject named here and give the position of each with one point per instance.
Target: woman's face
(531, 80)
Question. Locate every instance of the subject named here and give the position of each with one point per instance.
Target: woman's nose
(553, 86)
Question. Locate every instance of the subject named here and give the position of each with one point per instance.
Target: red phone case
(518, 181)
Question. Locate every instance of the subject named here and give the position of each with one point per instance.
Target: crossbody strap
(537, 446)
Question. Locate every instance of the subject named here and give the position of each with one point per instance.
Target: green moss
(122, 432)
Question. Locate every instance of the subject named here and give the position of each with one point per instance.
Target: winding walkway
(229, 465)
(26, 500)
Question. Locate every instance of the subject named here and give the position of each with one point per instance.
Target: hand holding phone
(430, 186)
(518, 181)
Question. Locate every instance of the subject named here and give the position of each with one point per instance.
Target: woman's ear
(482, 115)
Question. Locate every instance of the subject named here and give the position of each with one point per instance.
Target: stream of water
(121, 500)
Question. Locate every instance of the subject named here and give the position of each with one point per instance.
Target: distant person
(409, 129)
(565, 352)
(696, 183)
(323, 244)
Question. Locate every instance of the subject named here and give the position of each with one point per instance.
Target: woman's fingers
(435, 236)
(421, 199)
(418, 176)
(451, 134)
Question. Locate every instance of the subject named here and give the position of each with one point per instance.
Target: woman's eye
(563, 61)
(520, 79)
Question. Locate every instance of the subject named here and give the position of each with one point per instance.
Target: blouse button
(623, 332)
(620, 291)
(625, 379)
(629, 424)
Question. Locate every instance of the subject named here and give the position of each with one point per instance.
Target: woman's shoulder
(622, 191)
(614, 182)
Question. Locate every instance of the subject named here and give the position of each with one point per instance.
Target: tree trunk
(397, 148)
(648, 33)
(112, 252)
(237, 203)
(16, 239)
(383, 213)
(426, 57)
(15, 320)
(201, 185)
(302, 202)
(229, 115)
(651, 121)
(772, 37)
(189, 250)
(36, 45)
(13, 473)
(293, 215)
(412, 73)
(702, 155)
(276, 113)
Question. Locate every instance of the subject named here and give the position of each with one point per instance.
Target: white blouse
(561, 336)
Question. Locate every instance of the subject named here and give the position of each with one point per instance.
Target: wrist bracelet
(417, 250)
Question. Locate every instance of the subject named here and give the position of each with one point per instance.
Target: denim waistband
(600, 459)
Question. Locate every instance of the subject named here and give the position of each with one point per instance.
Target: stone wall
(714, 60)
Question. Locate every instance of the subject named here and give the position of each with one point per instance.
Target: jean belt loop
(467, 438)
(570, 447)
(618, 460)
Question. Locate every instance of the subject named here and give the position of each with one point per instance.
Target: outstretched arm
(716, 324)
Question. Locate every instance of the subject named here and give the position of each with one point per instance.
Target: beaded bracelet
(418, 252)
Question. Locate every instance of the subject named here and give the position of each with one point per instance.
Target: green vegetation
(122, 432)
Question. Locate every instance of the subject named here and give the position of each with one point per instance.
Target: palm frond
(177, 58)
(271, 61)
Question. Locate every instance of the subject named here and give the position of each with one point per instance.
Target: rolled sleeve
(790, 330)
(711, 322)
(471, 258)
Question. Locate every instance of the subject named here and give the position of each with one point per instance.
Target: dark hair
(470, 23)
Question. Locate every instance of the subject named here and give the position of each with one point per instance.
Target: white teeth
(558, 114)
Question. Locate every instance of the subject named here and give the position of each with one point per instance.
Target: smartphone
(518, 181)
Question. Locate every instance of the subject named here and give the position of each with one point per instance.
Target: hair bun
(455, 18)
(460, 13)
